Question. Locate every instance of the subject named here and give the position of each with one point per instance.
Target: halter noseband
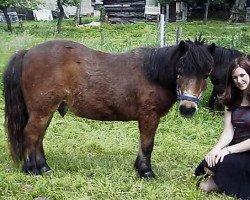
(187, 97)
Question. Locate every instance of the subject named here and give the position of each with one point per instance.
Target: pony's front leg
(212, 99)
(147, 124)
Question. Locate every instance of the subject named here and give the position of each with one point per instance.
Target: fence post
(101, 36)
(178, 35)
(162, 30)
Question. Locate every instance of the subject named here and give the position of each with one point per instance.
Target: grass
(93, 159)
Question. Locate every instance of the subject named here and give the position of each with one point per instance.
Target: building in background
(142, 10)
(13, 17)
(86, 7)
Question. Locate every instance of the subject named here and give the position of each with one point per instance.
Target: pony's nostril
(187, 111)
(182, 108)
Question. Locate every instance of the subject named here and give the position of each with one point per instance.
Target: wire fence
(117, 40)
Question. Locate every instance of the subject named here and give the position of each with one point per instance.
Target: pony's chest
(159, 100)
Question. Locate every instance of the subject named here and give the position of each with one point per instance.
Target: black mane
(225, 55)
(158, 64)
(198, 40)
(161, 65)
(196, 62)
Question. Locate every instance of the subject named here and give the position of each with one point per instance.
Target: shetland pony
(141, 85)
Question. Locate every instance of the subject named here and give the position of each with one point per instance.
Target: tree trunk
(79, 10)
(240, 4)
(60, 17)
(7, 18)
(206, 12)
(237, 13)
(77, 16)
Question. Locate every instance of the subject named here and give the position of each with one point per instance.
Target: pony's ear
(211, 48)
(183, 46)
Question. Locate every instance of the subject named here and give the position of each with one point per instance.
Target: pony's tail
(16, 115)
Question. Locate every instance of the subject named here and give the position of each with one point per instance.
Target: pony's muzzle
(187, 109)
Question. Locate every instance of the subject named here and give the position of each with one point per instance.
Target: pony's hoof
(45, 170)
(148, 175)
(33, 171)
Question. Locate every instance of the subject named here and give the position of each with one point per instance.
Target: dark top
(240, 119)
(232, 176)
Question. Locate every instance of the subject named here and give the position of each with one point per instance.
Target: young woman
(228, 163)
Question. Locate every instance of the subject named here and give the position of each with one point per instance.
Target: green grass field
(93, 159)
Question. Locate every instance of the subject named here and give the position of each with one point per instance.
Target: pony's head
(192, 71)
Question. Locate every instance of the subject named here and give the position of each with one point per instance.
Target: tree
(60, 16)
(60, 4)
(78, 13)
(208, 3)
(240, 4)
(5, 4)
(237, 12)
(206, 12)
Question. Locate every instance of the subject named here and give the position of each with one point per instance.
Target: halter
(187, 97)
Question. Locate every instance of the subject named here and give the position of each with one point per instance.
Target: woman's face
(241, 78)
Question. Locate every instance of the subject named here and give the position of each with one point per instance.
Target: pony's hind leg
(34, 159)
(40, 157)
(147, 125)
(41, 163)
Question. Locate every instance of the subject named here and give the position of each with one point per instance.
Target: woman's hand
(221, 155)
(216, 155)
(211, 157)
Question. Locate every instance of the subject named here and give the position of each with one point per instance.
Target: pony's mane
(197, 61)
(157, 64)
(225, 55)
(198, 40)
(161, 64)
(221, 54)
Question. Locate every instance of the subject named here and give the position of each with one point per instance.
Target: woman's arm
(239, 147)
(225, 138)
(236, 148)
(228, 132)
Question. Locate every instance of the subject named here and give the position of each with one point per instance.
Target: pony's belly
(104, 113)
(105, 116)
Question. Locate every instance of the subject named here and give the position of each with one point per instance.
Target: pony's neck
(159, 65)
(222, 54)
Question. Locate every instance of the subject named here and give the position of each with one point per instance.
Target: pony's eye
(179, 75)
(179, 71)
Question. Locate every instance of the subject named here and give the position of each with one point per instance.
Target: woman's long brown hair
(233, 95)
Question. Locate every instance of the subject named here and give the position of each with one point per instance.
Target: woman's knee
(208, 185)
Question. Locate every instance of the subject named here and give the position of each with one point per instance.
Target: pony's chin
(187, 115)
(187, 112)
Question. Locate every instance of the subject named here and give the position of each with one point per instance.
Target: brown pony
(140, 85)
